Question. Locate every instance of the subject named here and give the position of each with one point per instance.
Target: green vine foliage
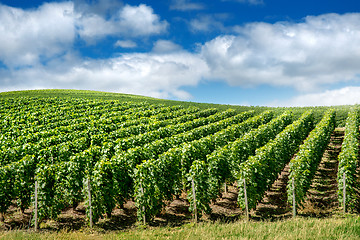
(191, 130)
(224, 162)
(24, 181)
(199, 174)
(304, 165)
(262, 169)
(71, 175)
(50, 202)
(139, 140)
(148, 192)
(110, 186)
(7, 187)
(112, 181)
(91, 156)
(126, 150)
(199, 149)
(348, 162)
(166, 172)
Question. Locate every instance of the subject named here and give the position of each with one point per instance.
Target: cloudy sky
(246, 52)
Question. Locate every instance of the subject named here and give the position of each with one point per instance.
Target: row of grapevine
(24, 170)
(304, 165)
(119, 170)
(36, 132)
(56, 191)
(192, 130)
(58, 147)
(159, 179)
(73, 175)
(98, 119)
(51, 117)
(141, 134)
(261, 170)
(126, 131)
(89, 129)
(348, 162)
(17, 179)
(223, 163)
(124, 144)
(153, 153)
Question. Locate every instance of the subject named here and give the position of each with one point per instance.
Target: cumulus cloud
(344, 96)
(104, 8)
(208, 23)
(156, 75)
(165, 46)
(252, 2)
(185, 5)
(32, 37)
(321, 50)
(141, 20)
(29, 37)
(131, 21)
(37, 52)
(125, 44)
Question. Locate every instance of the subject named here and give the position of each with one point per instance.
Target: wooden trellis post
(90, 207)
(246, 202)
(344, 192)
(194, 199)
(294, 199)
(143, 208)
(36, 206)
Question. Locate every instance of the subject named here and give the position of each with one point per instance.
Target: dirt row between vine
(322, 195)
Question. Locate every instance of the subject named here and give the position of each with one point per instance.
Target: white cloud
(321, 50)
(208, 23)
(102, 8)
(185, 5)
(37, 47)
(130, 21)
(125, 44)
(156, 75)
(165, 46)
(344, 96)
(32, 37)
(252, 2)
(28, 37)
(141, 20)
(92, 27)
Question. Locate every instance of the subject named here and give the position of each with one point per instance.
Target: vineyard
(58, 153)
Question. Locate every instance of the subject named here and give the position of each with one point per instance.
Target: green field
(149, 168)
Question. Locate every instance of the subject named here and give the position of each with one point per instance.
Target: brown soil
(322, 199)
(176, 213)
(226, 208)
(322, 196)
(274, 204)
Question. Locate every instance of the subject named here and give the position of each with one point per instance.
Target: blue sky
(246, 52)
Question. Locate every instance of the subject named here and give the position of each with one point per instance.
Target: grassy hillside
(50, 135)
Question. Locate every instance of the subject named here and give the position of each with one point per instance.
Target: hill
(87, 94)
(117, 160)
